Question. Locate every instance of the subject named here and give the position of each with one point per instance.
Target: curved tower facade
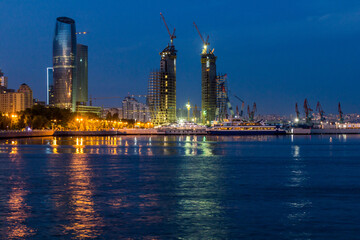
(64, 61)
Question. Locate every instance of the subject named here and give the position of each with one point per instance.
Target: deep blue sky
(274, 52)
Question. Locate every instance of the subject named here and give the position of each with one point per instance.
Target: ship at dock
(240, 127)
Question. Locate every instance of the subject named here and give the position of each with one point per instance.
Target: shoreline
(126, 132)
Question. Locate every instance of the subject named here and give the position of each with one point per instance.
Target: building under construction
(222, 98)
(208, 81)
(162, 86)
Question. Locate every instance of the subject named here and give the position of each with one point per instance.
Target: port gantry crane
(308, 111)
(321, 111)
(252, 112)
(341, 117)
(171, 35)
(205, 42)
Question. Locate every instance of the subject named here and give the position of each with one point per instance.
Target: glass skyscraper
(80, 88)
(64, 61)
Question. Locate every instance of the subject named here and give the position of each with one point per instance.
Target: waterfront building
(113, 111)
(82, 109)
(64, 61)
(28, 95)
(208, 86)
(49, 86)
(80, 88)
(12, 101)
(135, 110)
(3, 80)
(162, 88)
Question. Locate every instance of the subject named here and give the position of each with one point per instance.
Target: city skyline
(274, 55)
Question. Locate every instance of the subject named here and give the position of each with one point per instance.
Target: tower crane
(341, 117)
(205, 42)
(171, 35)
(321, 111)
(242, 105)
(307, 110)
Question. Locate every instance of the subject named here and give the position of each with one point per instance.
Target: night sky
(275, 53)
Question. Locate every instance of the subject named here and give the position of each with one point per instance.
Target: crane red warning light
(172, 36)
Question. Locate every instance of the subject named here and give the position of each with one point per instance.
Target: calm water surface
(301, 187)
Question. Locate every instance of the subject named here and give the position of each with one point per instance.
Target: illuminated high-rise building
(162, 88)
(208, 86)
(49, 86)
(162, 85)
(80, 87)
(64, 62)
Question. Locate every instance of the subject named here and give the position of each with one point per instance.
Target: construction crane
(252, 112)
(242, 105)
(205, 42)
(307, 110)
(341, 117)
(297, 112)
(321, 111)
(172, 36)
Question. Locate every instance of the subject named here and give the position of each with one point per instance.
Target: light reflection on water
(166, 187)
(18, 209)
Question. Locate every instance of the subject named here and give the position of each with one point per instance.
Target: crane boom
(199, 33)
(172, 36)
(205, 42)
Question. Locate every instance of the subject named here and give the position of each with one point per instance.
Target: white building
(133, 109)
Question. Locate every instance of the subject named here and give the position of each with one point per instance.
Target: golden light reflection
(14, 150)
(84, 221)
(18, 210)
(18, 214)
(79, 146)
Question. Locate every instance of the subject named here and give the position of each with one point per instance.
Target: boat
(185, 128)
(240, 127)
